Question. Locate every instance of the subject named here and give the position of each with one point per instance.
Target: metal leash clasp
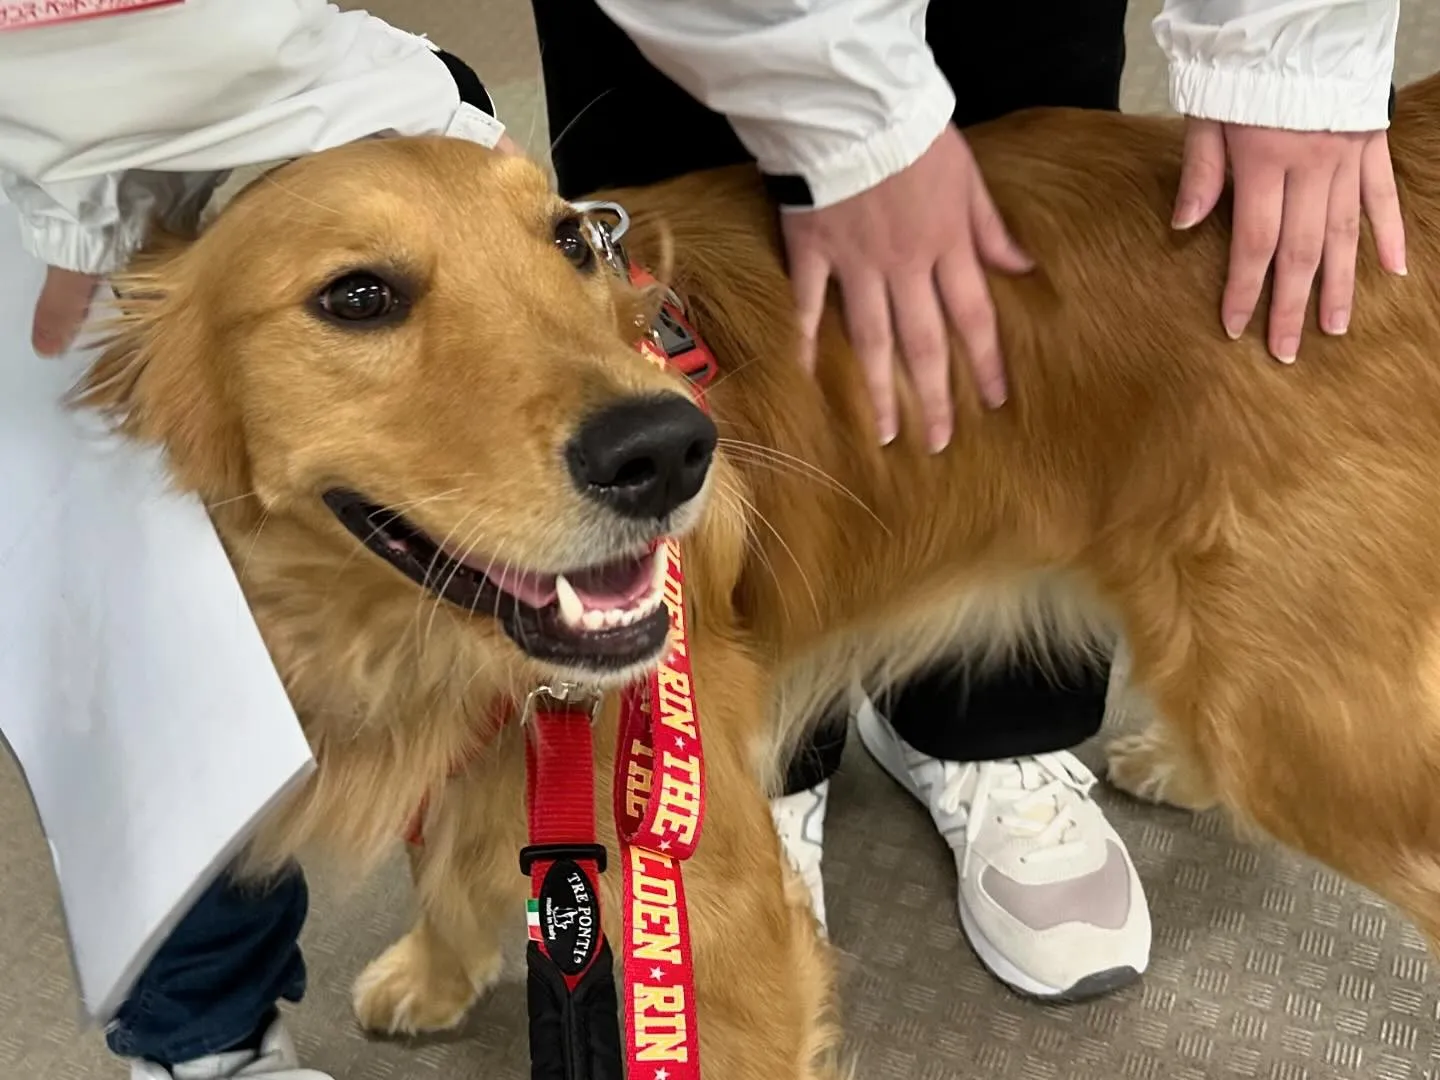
(565, 694)
(605, 237)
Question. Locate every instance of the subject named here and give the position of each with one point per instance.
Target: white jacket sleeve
(1302, 65)
(108, 121)
(830, 96)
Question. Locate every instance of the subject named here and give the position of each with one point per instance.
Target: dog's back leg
(1343, 766)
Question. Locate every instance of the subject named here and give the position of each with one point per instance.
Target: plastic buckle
(530, 854)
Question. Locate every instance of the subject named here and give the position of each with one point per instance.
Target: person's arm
(831, 96)
(107, 122)
(1298, 65)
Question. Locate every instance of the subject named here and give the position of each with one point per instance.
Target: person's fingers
(1297, 257)
(972, 313)
(1381, 202)
(809, 277)
(1342, 242)
(1202, 174)
(867, 316)
(1259, 201)
(507, 145)
(991, 236)
(925, 344)
(61, 309)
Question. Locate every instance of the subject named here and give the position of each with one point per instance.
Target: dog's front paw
(415, 986)
(1148, 766)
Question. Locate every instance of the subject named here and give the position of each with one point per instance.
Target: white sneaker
(1049, 897)
(275, 1060)
(800, 821)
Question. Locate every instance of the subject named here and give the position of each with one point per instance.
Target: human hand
(61, 309)
(907, 253)
(1298, 199)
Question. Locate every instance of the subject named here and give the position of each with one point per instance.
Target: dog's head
(409, 347)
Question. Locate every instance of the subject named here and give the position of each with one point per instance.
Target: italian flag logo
(532, 919)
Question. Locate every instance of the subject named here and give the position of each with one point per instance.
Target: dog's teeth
(649, 602)
(593, 620)
(572, 611)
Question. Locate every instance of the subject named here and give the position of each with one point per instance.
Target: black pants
(615, 120)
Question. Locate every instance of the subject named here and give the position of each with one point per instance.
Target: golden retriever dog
(409, 393)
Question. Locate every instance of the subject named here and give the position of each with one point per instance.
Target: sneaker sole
(1097, 984)
(881, 748)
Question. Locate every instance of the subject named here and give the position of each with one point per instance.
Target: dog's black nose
(644, 457)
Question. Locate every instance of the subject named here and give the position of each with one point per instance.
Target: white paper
(135, 691)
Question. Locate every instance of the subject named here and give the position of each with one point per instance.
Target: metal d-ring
(566, 693)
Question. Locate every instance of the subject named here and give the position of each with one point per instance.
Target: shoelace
(1014, 788)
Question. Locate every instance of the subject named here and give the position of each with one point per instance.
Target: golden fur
(1263, 537)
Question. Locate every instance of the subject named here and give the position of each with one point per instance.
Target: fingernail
(1336, 322)
(937, 439)
(1400, 270)
(1234, 326)
(888, 435)
(1186, 214)
(1286, 350)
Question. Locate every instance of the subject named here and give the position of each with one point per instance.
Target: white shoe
(275, 1060)
(1049, 897)
(800, 821)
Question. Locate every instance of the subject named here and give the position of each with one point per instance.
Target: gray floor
(1265, 966)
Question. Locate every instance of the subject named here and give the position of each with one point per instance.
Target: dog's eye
(359, 297)
(572, 245)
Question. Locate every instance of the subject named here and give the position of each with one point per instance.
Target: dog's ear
(159, 378)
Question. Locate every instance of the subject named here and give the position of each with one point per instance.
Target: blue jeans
(214, 984)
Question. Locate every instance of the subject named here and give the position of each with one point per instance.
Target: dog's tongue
(601, 588)
(616, 585)
(537, 590)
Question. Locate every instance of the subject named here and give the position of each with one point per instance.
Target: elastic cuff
(1270, 99)
(98, 250)
(475, 119)
(472, 90)
(862, 165)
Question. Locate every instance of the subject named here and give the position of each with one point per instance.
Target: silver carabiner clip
(605, 237)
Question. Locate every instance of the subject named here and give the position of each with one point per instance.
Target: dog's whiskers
(464, 552)
(576, 119)
(796, 466)
(394, 510)
(447, 570)
(729, 491)
(216, 505)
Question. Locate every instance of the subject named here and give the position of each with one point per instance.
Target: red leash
(659, 792)
(659, 807)
(659, 795)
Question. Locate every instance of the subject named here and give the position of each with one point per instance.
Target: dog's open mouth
(602, 618)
